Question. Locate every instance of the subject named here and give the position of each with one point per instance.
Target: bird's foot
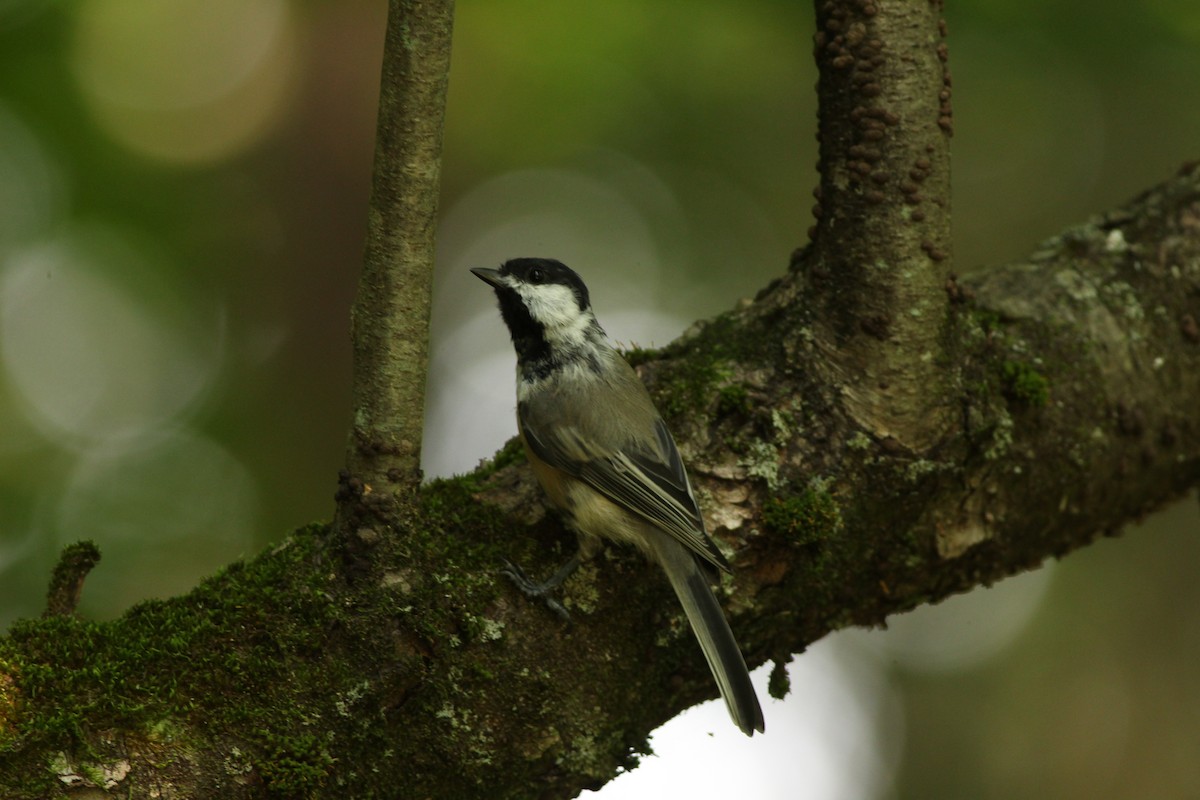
(533, 589)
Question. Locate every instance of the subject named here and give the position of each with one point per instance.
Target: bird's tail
(725, 660)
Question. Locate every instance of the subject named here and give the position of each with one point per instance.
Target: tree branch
(391, 312)
(1074, 381)
(426, 676)
(881, 251)
(66, 583)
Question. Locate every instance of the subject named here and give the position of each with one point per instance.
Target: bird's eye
(536, 275)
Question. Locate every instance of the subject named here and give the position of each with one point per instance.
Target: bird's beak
(490, 276)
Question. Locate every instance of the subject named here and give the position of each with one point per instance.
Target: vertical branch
(390, 323)
(66, 582)
(881, 251)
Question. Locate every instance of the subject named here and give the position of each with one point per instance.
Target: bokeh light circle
(188, 80)
(88, 357)
(31, 191)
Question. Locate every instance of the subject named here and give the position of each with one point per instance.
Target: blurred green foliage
(249, 259)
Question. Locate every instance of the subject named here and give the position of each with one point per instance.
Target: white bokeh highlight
(89, 360)
(837, 736)
(32, 194)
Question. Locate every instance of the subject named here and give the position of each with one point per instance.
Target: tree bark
(390, 319)
(882, 236)
(1058, 398)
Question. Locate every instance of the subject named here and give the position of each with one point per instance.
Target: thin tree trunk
(391, 312)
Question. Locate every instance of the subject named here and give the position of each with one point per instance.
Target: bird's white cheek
(558, 312)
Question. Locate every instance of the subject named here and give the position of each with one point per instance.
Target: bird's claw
(541, 591)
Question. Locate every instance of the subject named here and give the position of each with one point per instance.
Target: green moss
(779, 684)
(1024, 384)
(512, 453)
(986, 319)
(689, 385)
(73, 565)
(452, 534)
(584, 587)
(918, 469)
(484, 629)
(266, 662)
(713, 355)
(809, 517)
(636, 356)
(450, 503)
(295, 765)
(145, 673)
(1020, 382)
(859, 441)
(733, 399)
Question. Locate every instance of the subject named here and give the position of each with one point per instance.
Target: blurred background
(183, 192)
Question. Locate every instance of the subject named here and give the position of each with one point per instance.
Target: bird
(606, 460)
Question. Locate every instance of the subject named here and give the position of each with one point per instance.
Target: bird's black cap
(543, 270)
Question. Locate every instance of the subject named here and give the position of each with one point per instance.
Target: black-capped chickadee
(605, 458)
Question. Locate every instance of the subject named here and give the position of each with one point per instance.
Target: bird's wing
(648, 480)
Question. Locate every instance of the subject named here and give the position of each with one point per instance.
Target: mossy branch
(389, 660)
(66, 582)
(420, 673)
